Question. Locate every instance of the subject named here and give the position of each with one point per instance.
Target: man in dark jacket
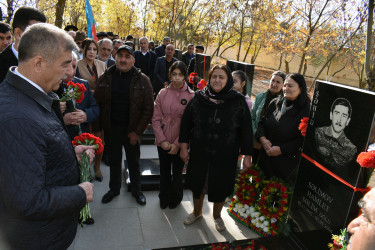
(160, 50)
(87, 111)
(188, 55)
(198, 49)
(145, 59)
(23, 17)
(40, 194)
(124, 96)
(162, 68)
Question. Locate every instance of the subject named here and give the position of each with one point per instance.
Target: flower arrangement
(230, 246)
(339, 241)
(303, 125)
(367, 159)
(201, 84)
(193, 78)
(88, 140)
(75, 91)
(260, 204)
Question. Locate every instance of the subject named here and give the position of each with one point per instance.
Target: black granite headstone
(202, 65)
(178, 54)
(330, 181)
(245, 67)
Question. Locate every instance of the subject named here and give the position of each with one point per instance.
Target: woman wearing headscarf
(262, 101)
(278, 130)
(216, 125)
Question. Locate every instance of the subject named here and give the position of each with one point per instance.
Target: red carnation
(285, 196)
(366, 159)
(283, 189)
(303, 125)
(201, 84)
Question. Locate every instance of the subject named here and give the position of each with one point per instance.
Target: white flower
(273, 220)
(246, 206)
(253, 221)
(251, 209)
(235, 209)
(371, 147)
(266, 229)
(256, 214)
(266, 223)
(261, 218)
(257, 225)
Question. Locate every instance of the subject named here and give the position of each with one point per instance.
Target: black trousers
(116, 140)
(171, 188)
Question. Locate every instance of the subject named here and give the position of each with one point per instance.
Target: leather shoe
(109, 196)
(141, 199)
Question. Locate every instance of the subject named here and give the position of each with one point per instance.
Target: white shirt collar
(26, 79)
(15, 52)
(144, 53)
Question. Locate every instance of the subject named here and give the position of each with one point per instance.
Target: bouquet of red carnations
(75, 91)
(87, 140)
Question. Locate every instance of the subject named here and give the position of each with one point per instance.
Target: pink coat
(168, 110)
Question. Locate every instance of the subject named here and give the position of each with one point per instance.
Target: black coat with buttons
(285, 134)
(217, 133)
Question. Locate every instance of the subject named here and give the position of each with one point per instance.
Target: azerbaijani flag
(91, 31)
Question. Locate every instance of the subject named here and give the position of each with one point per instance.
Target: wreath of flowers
(273, 204)
(74, 91)
(258, 203)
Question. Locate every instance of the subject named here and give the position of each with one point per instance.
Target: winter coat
(257, 109)
(216, 133)
(285, 134)
(39, 196)
(168, 110)
(141, 102)
(84, 73)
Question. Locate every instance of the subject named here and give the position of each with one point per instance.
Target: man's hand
(62, 106)
(134, 138)
(80, 116)
(265, 143)
(89, 150)
(68, 120)
(89, 190)
(247, 163)
(274, 151)
(174, 149)
(165, 145)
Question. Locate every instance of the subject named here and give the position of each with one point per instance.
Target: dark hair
(303, 97)
(129, 43)
(279, 73)
(129, 37)
(240, 74)
(4, 27)
(86, 43)
(219, 66)
(178, 65)
(199, 47)
(190, 45)
(24, 15)
(152, 43)
(166, 38)
(228, 85)
(342, 102)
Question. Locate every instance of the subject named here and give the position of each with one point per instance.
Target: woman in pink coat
(169, 108)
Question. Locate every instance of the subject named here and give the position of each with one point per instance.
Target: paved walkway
(123, 224)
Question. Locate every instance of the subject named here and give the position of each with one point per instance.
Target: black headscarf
(225, 94)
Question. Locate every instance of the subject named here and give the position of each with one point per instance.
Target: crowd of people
(40, 193)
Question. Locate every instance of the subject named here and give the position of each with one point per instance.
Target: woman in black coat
(217, 126)
(278, 130)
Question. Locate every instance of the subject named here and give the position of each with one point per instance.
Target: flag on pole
(91, 31)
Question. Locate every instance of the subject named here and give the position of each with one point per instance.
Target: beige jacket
(85, 74)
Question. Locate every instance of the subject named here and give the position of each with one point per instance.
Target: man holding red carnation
(40, 193)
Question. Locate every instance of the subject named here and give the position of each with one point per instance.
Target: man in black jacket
(160, 50)
(5, 36)
(23, 17)
(162, 68)
(40, 193)
(145, 59)
(188, 55)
